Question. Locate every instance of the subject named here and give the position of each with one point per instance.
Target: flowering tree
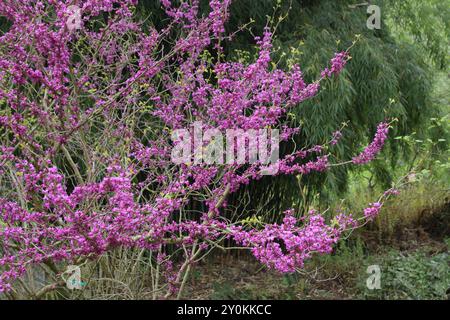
(89, 100)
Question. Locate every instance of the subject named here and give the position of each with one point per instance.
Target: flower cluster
(371, 212)
(337, 64)
(375, 147)
(285, 247)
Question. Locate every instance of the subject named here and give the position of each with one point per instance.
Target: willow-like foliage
(388, 76)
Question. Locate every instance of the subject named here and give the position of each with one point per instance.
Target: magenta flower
(375, 147)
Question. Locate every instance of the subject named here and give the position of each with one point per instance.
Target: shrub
(89, 101)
